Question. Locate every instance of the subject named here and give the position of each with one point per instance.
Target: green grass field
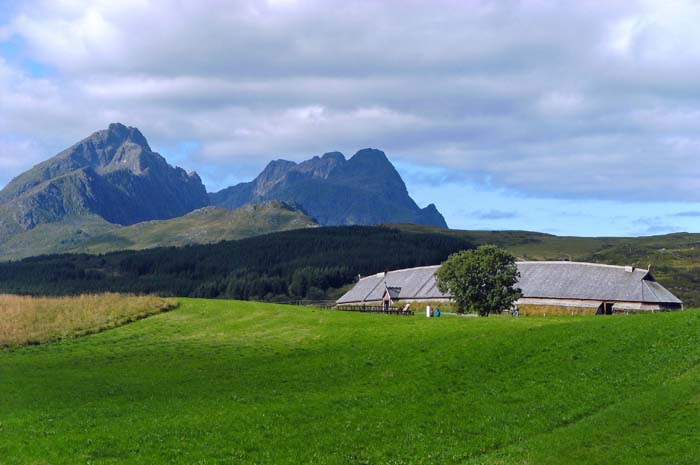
(217, 382)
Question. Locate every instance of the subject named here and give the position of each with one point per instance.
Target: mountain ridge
(113, 179)
(364, 190)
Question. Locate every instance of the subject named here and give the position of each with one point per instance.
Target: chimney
(629, 269)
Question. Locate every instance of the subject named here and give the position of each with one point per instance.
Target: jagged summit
(337, 156)
(113, 176)
(364, 189)
(113, 173)
(369, 154)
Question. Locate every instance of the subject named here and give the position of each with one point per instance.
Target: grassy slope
(229, 382)
(92, 234)
(204, 226)
(53, 237)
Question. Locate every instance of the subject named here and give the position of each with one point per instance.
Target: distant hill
(301, 264)
(364, 190)
(316, 262)
(204, 226)
(90, 233)
(56, 237)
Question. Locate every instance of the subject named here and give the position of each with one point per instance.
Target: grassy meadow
(226, 382)
(32, 320)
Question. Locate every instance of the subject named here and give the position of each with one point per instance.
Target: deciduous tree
(480, 280)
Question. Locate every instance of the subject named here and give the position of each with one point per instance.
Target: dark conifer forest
(308, 264)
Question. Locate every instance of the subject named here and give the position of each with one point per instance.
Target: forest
(300, 265)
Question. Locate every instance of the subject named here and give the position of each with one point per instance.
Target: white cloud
(16, 154)
(592, 100)
(558, 103)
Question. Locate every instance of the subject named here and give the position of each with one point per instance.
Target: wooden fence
(372, 309)
(330, 305)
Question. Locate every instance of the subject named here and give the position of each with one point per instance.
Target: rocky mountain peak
(366, 189)
(121, 134)
(370, 156)
(335, 156)
(321, 167)
(273, 173)
(112, 173)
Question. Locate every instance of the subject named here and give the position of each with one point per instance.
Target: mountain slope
(57, 237)
(364, 190)
(204, 226)
(91, 233)
(113, 174)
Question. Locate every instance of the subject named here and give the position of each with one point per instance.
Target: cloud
(21, 151)
(687, 214)
(594, 100)
(655, 225)
(494, 214)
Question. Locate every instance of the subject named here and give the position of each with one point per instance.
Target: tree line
(306, 264)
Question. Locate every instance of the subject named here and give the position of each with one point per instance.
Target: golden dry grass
(33, 320)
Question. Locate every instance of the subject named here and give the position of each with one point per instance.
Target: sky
(575, 118)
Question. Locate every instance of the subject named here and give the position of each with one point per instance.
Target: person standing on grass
(437, 312)
(428, 311)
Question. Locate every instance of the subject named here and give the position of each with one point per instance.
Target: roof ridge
(566, 262)
(376, 275)
(537, 262)
(415, 268)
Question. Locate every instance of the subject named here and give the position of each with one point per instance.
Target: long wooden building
(547, 288)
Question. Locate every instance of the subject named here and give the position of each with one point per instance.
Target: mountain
(110, 191)
(364, 190)
(113, 174)
(90, 233)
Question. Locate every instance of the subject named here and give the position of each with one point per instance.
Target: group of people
(429, 312)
